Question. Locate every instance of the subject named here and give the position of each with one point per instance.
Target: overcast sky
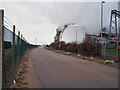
(40, 19)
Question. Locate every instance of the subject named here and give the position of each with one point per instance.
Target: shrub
(89, 47)
(72, 47)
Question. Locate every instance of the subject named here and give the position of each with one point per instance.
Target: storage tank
(74, 33)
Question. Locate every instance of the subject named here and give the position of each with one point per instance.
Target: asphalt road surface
(60, 71)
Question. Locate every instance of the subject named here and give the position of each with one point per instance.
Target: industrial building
(74, 34)
(70, 33)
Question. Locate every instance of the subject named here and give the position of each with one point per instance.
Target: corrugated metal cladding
(73, 34)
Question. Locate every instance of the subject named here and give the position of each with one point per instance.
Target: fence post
(18, 42)
(1, 44)
(14, 62)
(13, 35)
(21, 36)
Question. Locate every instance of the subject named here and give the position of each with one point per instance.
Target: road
(55, 70)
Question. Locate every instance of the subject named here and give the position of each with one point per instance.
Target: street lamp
(75, 25)
(35, 41)
(102, 25)
(102, 20)
(76, 36)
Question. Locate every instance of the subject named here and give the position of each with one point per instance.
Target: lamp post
(76, 30)
(76, 36)
(102, 19)
(35, 41)
(102, 23)
(75, 25)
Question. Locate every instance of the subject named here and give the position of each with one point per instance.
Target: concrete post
(13, 35)
(13, 48)
(1, 44)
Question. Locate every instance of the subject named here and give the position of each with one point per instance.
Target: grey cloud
(86, 14)
(41, 19)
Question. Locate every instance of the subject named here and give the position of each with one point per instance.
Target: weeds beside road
(93, 59)
(26, 77)
(20, 81)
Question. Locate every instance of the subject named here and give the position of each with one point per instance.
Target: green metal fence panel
(14, 50)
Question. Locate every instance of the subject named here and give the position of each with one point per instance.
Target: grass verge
(97, 59)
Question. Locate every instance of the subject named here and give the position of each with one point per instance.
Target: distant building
(98, 37)
(73, 34)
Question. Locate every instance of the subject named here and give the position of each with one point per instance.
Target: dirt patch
(27, 77)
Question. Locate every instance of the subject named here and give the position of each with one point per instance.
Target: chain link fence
(111, 50)
(13, 50)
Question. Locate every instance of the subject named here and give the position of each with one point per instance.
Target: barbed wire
(9, 25)
(5, 22)
(9, 21)
(16, 28)
(5, 25)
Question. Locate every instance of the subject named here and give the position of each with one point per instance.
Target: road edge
(26, 77)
